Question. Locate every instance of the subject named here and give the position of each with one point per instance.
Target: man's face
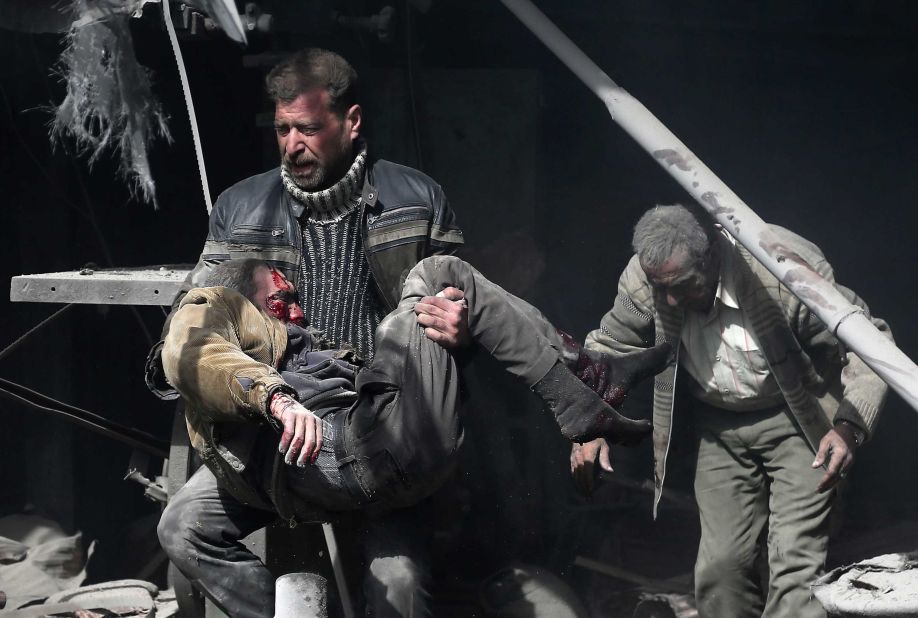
(277, 296)
(684, 283)
(316, 146)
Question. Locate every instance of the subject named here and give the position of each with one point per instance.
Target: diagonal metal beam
(847, 321)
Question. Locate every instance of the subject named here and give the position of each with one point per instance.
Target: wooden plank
(155, 285)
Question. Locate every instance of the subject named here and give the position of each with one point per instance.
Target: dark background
(805, 109)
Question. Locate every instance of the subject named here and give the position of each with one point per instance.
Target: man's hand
(583, 463)
(445, 318)
(302, 436)
(836, 448)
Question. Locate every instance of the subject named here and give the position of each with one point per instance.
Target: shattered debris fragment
(109, 101)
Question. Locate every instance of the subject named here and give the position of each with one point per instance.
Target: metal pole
(844, 319)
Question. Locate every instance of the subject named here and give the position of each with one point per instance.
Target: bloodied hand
(302, 437)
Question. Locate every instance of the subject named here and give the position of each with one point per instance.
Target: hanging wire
(409, 62)
(5, 351)
(189, 103)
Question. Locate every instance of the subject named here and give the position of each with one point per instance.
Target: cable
(189, 102)
(98, 424)
(18, 341)
(416, 130)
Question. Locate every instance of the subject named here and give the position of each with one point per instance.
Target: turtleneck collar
(333, 203)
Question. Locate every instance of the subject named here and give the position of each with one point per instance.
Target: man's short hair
(237, 275)
(664, 229)
(313, 68)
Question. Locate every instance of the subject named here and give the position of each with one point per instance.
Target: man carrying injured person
(375, 437)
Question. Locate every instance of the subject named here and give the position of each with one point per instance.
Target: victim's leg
(528, 346)
(406, 424)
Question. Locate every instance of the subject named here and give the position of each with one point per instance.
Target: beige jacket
(221, 354)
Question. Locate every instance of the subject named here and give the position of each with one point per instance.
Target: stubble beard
(311, 181)
(322, 175)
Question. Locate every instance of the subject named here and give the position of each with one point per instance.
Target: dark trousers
(405, 429)
(397, 442)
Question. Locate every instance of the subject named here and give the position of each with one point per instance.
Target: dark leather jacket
(404, 214)
(405, 217)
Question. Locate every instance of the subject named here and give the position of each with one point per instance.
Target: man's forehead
(675, 269)
(314, 101)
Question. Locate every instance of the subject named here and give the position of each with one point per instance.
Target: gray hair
(313, 68)
(237, 275)
(663, 230)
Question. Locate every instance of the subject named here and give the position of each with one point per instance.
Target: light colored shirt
(722, 353)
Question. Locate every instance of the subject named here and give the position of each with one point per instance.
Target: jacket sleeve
(445, 235)
(203, 359)
(629, 325)
(154, 376)
(862, 391)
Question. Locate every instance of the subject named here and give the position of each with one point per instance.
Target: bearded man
(344, 229)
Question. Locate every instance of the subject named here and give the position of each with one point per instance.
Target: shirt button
(726, 390)
(717, 358)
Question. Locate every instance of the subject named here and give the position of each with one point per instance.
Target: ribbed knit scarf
(334, 202)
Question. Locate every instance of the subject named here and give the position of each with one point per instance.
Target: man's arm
(862, 391)
(628, 326)
(444, 316)
(203, 358)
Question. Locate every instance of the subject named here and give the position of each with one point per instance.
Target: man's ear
(353, 117)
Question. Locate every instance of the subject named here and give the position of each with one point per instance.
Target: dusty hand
(445, 318)
(584, 458)
(302, 437)
(836, 448)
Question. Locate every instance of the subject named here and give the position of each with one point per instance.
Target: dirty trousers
(754, 475)
(393, 447)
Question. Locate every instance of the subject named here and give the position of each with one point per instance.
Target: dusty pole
(844, 319)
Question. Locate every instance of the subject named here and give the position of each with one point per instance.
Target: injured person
(287, 427)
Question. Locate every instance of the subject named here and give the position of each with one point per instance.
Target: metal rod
(847, 321)
(334, 557)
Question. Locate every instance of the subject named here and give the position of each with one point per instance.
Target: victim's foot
(581, 414)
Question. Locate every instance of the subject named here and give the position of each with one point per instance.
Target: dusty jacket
(820, 381)
(221, 354)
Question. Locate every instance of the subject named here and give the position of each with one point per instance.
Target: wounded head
(262, 284)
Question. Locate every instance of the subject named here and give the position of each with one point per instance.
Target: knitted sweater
(337, 290)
